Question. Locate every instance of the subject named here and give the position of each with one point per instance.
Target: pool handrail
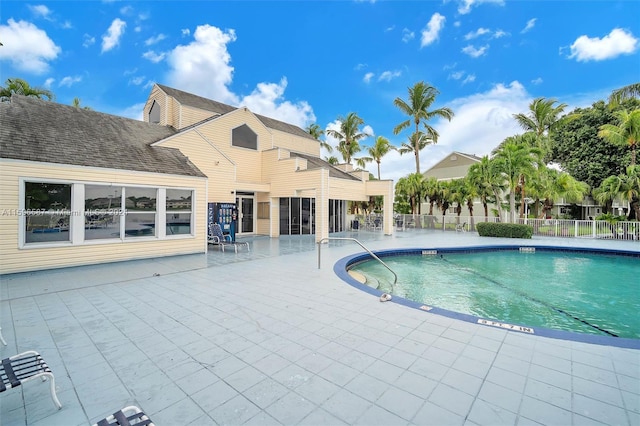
(372, 254)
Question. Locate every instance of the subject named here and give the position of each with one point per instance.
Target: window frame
(78, 213)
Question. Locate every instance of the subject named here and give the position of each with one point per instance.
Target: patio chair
(23, 367)
(216, 237)
(461, 227)
(128, 416)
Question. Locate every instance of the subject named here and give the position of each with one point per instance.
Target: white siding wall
(16, 259)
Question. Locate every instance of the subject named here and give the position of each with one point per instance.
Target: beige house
(270, 170)
(80, 187)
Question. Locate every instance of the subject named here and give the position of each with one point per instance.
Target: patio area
(266, 338)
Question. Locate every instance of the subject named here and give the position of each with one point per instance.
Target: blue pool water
(572, 291)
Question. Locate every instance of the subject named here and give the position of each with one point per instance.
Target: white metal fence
(543, 227)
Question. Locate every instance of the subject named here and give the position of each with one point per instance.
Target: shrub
(504, 230)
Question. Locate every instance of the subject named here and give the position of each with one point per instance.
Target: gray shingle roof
(315, 162)
(36, 130)
(189, 99)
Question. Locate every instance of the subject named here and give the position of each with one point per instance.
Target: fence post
(594, 228)
(576, 228)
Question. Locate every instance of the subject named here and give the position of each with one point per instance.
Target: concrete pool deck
(266, 337)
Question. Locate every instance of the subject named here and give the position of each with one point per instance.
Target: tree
(349, 135)
(380, 148)
(584, 155)
(624, 93)
(489, 183)
(21, 87)
(516, 161)
(76, 103)
(431, 191)
(626, 186)
(417, 142)
(542, 120)
(332, 160)
(551, 184)
(421, 97)
(626, 132)
(316, 132)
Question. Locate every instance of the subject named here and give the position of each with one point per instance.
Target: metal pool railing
(372, 254)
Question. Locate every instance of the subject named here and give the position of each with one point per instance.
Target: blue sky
(313, 61)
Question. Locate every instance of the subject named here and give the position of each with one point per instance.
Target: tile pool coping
(341, 268)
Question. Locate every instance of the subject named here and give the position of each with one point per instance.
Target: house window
(140, 212)
(47, 211)
(178, 211)
(154, 113)
(244, 137)
(102, 212)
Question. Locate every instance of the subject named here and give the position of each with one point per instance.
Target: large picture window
(297, 216)
(140, 212)
(83, 212)
(178, 202)
(102, 212)
(48, 212)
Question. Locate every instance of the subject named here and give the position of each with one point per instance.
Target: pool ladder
(395, 276)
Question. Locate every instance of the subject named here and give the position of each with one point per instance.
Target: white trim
(216, 148)
(96, 168)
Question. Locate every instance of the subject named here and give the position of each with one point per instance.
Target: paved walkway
(266, 337)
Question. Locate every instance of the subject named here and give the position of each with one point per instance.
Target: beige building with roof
(80, 187)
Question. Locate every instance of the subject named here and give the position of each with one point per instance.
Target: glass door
(245, 214)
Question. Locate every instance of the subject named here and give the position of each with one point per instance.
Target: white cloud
(432, 31)
(367, 77)
(477, 33)
(203, 67)
(617, 42)
(360, 66)
(407, 35)
(537, 81)
(464, 6)
(40, 11)
(67, 25)
(530, 24)
(389, 75)
(154, 40)
(137, 81)
(153, 56)
(391, 28)
(134, 112)
(112, 38)
(126, 10)
(369, 131)
(500, 33)
(88, 40)
(475, 52)
(457, 75)
(27, 47)
(69, 81)
(48, 82)
(137, 29)
(469, 79)
(268, 99)
(185, 32)
(457, 24)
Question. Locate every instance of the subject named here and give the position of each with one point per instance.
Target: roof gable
(189, 99)
(44, 131)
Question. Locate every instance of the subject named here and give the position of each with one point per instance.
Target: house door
(245, 214)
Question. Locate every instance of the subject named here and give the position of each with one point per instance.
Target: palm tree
(625, 186)
(76, 103)
(316, 132)
(551, 184)
(489, 183)
(417, 142)
(444, 198)
(431, 191)
(458, 195)
(332, 160)
(21, 87)
(380, 148)
(626, 132)
(421, 97)
(415, 191)
(542, 119)
(516, 160)
(349, 135)
(627, 92)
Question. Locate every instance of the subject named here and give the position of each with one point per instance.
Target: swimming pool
(540, 290)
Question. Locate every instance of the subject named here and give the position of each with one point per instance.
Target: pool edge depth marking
(505, 325)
